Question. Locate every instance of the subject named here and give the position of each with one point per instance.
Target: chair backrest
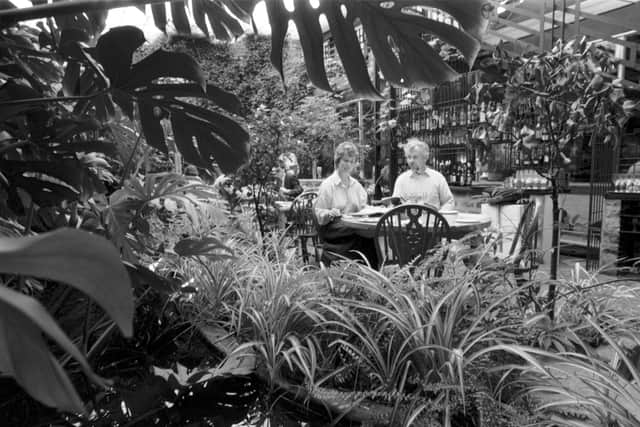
(407, 232)
(302, 215)
(525, 239)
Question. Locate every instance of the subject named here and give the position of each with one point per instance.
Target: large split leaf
(396, 35)
(14, 90)
(49, 182)
(86, 261)
(180, 19)
(92, 22)
(202, 134)
(114, 51)
(222, 15)
(220, 97)
(163, 64)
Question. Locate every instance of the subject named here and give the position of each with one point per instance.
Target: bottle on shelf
(544, 135)
(483, 113)
(538, 130)
(463, 115)
(470, 173)
(452, 173)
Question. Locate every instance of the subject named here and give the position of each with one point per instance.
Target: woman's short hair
(345, 149)
(415, 144)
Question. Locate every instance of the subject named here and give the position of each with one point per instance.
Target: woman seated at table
(341, 194)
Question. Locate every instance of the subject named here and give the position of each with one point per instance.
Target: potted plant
(552, 98)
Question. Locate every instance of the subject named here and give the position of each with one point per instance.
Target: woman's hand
(334, 213)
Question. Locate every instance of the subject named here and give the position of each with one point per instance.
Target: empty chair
(522, 253)
(407, 232)
(303, 224)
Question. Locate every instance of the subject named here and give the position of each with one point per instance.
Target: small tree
(552, 98)
(257, 175)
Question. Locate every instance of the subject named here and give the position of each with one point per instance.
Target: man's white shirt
(428, 187)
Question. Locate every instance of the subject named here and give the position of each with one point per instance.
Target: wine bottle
(474, 114)
(452, 173)
(483, 112)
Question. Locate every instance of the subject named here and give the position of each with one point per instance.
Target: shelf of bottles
(445, 125)
(626, 178)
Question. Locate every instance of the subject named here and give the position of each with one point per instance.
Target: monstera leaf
(49, 182)
(90, 23)
(225, 25)
(395, 33)
(166, 85)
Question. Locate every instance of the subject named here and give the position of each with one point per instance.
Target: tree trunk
(393, 151)
(256, 203)
(555, 245)
(376, 122)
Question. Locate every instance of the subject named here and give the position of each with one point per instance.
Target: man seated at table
(341, 194)
(421, 184)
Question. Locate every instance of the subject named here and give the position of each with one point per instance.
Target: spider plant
(574, 389)
(276, 305)
(614, 304)
(395, 329)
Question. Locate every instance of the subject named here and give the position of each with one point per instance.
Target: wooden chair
(303, 223)
(522, 253)
(406, 233)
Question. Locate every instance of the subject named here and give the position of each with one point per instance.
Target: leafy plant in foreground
(87, 262)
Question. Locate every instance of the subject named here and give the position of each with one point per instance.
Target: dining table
(364, 222)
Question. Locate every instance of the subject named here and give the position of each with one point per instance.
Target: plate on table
(361, 219)
(368, 219)
(370, 211)
(467, 221)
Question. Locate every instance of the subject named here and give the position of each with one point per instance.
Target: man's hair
(345, 149)
(416, 144)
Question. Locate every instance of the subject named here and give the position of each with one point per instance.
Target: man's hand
(334, 213)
